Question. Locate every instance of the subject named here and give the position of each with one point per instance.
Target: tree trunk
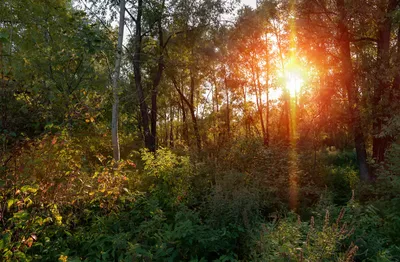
(260, 107)
(214, 99)
(191, 110)
(144, 109)
(352, 92)
(193, 114)
(228, 120)
(114, 123)
(166, 131)
(286, 115)
(266, 140)
(153, 120)
(396, 81)
(171, 129)
(195, 128)
(156, 83)
(4, 92)
(185, 127)
(381, 96)
(245, 113)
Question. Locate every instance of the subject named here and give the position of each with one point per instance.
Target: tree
(352, 92)
(382, 99)
(334, 29)
(118, 56)
(54, 76)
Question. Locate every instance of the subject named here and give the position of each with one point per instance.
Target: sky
(251, 3)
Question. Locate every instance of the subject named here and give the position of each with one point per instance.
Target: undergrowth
(63, 202)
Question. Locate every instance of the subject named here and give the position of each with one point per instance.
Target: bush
(289, 239)
(49, 190)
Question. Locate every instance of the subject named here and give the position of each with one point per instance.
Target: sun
(294, 81)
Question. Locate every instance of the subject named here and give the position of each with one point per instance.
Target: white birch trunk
(114, 122)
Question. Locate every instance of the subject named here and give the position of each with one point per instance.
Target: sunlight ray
(293, 84)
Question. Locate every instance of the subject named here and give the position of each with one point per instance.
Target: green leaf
(10, 202)
(20, 255)
(30, 189)
(28, 202)
(3, 37)
(21, 214)
(8, 254)
(47, 220)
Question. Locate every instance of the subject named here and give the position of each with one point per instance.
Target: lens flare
(293, 83)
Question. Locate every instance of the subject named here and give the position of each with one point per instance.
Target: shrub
(289, 239)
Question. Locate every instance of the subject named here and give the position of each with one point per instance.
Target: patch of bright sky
(230, 17)
(251, 3)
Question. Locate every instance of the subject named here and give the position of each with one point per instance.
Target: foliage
(39, 203)
(102, 215)
(293, 240)
(270, 137)
(172, 174)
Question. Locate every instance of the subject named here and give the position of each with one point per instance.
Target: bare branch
(129, 13)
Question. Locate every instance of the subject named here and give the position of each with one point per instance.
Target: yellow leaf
(58, 219)
(10, 202)
(63, 258)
